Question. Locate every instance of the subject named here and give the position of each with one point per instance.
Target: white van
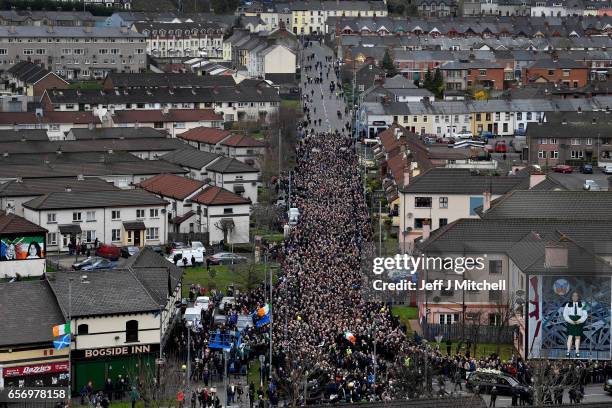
(197, 253)
(293, 215)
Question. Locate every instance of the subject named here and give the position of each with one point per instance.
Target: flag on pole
(62, 342)
(263, 311)
(61, 329)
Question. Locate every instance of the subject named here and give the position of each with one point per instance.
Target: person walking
(493, 397)
(458, 380)
(134, 396)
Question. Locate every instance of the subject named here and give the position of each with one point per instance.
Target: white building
(273, 59)
(167, 40)
(119, 217)
(235, 176)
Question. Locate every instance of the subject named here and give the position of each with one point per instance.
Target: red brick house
(558, 70)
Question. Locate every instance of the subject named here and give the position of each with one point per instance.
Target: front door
(136, 238)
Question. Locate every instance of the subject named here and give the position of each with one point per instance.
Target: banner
(35, 369)
(18, 248)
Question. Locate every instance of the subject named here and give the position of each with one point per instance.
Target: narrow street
(325, 104)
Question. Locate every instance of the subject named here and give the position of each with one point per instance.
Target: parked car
(127, 251)
(500, 147)
(172, 246)
(486, 135)
(192, 314)
(505, 384)
(88, 261)
(463, 134)
(590, 185)
(157, 249)
(563, 168)
(226, 258)
(109, 251)
(178, 255)
(225, 302)
(607, 169)
(586, 168)
(201, 302)
(101, 263)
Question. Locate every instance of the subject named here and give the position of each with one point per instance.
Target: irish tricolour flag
(61, 329)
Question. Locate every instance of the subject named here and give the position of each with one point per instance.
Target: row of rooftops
(597, 103)
(314, 5)
(41, 32)
(246, 91)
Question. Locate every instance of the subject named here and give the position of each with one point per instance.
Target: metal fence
(188, 237)
(473, 332)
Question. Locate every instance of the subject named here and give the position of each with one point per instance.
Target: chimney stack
(486, 205)
(426, 229)
(555, 256)
(68, 188)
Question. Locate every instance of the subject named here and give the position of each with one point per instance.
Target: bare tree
(156, 388)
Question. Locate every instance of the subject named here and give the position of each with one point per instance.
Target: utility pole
(70, 279)
(270, 311)
(188, 358)
(379, 227)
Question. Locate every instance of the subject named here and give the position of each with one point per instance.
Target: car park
(226, 258)
(109, 251)
(563, 168)
(586, 168)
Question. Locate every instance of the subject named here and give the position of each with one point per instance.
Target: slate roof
(173, 115)
(214, 195)
(204, 134)
(229, 165)
(35, 187)
(483, 235)
(30, 73)
(116, 133)
(561, 63)
(460, 181)
(20, 118)
(559, 205)
(21, 134)
(95, 145)
(190, 157)
(94, 199)
(566, 125)
(170, 185)
(67, 32)
(153, 80)
(63, 170)
(14, 224)
(236, 93)
(31, 321)
(114, 291)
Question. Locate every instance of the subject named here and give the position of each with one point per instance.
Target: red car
(500, 147)
(109, 251)
(563, 168)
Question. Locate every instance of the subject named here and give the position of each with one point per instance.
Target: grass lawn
(243, 277)
(271, 236)
(289, 103)
(406, 313)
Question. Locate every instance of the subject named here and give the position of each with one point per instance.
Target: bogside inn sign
(116, 351)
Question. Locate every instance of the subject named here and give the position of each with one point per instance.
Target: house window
(519, 115)
(116, 235)
(152, 233)
(576, 154)
(83, 329)
(131, 331)
(52, 238)
(140, 213)
(474, 203)
(495, 267)
(442, 222)
(448, 318)
(529, 115)
(589, 141)
(76, 217)
(154, 213)
(90, 235)
(228, 211)
(422, 202)
(575, 142)
(541, 154)
(494, 319)
(115, 215)
(51, 218)
(418, 223)
(443, 202)
(553, 141)
(90, 216)
(554, 154)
